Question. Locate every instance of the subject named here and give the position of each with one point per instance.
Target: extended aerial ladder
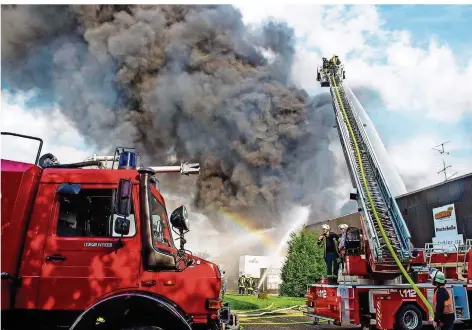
(387, 238)
(380, 211)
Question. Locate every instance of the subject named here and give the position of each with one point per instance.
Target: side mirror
(123, 198)
(179, 218)
(122, 226)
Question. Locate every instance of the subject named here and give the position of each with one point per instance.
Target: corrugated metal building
(417, 209)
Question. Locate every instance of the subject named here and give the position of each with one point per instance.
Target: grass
(250, 303)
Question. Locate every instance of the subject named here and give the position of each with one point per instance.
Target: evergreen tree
(303, 265)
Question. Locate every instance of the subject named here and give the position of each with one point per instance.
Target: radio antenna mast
(442, 151)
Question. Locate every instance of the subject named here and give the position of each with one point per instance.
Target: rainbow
(246, 225)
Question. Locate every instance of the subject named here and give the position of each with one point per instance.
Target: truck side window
(159, 218)
(89, 214)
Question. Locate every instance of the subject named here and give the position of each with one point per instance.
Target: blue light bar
(127, 161)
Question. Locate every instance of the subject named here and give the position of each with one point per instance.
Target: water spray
(301, 215)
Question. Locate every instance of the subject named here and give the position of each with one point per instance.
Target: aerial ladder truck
(385, 283)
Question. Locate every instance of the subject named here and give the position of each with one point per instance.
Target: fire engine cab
(385, 282)
(90, 246)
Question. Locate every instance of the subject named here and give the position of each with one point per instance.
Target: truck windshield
(158, 222)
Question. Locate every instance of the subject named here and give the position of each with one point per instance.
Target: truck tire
(408, 318)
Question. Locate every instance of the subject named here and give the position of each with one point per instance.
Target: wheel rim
(410, 319)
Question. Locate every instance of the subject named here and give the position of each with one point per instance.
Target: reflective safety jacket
(249, 283)
(440, 301)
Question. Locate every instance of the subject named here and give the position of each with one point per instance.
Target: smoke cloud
(183, 83)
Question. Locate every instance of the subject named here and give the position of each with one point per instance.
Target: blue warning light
(127, 161)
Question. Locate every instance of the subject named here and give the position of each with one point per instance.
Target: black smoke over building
(182, 83)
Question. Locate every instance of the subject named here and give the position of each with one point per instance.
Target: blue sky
(450, 23)
(414, 64)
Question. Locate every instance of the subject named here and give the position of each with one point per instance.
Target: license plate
(310, 309)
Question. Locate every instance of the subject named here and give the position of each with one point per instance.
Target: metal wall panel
(417, 208)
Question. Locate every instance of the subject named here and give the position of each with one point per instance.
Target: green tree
(303, 265)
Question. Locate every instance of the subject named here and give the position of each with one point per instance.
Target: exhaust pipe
(153, 259)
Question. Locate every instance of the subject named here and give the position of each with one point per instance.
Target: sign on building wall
(445, 227)
(251, 265)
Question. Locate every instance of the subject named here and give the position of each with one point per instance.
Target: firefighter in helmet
(342, 248)
(442, 302)
(325, 62)
(249, 285)
(329, 240)
(241, 283)
(335, 60)
(342, 231)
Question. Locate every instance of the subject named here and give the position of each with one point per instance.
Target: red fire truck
(385, 283)
(86, 246)
(394, 304)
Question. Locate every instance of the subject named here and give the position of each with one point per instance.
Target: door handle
(6, 276)
(14, 280)
(55, 257)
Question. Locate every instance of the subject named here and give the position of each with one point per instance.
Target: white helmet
(325, 226)
(343, 226)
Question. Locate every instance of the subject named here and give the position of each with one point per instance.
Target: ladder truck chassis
(381, 307)
(380, 299)
(396, 306)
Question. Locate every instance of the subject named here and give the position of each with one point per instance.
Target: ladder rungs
(371, 175)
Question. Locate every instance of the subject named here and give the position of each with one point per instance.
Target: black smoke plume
(182, 83)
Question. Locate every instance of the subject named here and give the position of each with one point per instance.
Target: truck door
(80, 261)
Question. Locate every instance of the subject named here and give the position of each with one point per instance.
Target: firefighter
(331, 253)
(342, 231)
(241, 284)
(325, 63)
(442, 303)
(342, 248)
(335, 60)
(249, 285)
